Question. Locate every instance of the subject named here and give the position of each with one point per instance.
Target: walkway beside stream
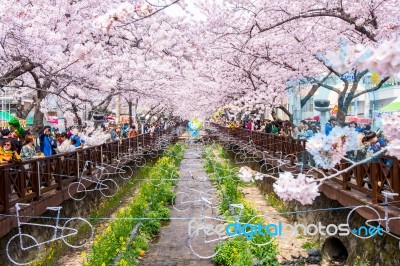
(171, 246)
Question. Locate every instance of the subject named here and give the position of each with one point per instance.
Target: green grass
(360, 262)
(310, 245)
(277, 203)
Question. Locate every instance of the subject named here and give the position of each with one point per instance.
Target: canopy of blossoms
(240, 56)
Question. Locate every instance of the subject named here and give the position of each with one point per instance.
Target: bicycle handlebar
(387, 193)
(54, 208)
(236, 205)
(206, 200)
(17, 205)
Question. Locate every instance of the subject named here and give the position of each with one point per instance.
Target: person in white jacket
(65, 145)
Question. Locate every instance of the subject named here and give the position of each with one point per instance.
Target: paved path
(171, 248)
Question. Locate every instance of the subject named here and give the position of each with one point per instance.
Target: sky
(176, 10)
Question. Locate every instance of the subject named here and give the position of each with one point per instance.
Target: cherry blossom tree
(256, 37)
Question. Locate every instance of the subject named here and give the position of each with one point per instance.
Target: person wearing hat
(8, 153)
(133, 132)
(75, 137)
(332, 122)
(48, 145)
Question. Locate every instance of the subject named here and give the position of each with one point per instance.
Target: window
(309, 106)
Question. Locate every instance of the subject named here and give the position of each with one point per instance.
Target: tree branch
(326, 13)
(329, 87)
(313, 90)
(372, 89)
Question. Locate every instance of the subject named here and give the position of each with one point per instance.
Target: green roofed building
(6, 116)
(392, 107)
(29, 121)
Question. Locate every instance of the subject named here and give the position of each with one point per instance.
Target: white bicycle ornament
(204, 241)
(24, 249)
(207, 195)
(107, 187)
(378, 220)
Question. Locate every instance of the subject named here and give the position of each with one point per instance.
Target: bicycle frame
(100, 186)
(56, 227)
(205, 227)
(33, 250)
(239, 206)
(118, 169)
(386, 219)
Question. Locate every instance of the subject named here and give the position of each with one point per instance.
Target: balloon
(194, 127)
(17, 126)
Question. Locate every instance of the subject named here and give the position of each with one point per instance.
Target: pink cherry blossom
(302, 188)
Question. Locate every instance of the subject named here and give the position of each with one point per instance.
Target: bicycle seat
(18, 205)
(206, 200)
(387, 193)
(54, 208)
(237, 206)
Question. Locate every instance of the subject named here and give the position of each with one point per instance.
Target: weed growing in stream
(236, 251)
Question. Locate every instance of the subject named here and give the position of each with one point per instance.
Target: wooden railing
(368, 179)
(29, 180)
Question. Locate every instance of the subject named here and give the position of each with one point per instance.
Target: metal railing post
(77, 163)
(101, 154)
(38, 177)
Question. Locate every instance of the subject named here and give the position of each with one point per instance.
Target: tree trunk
(341, 115)
(37, 119)
(310, 94)
(273, 114)
(286, 111)
(40, 95)
(38, 116)
(75, 111)
(139, 124)
(130, 113)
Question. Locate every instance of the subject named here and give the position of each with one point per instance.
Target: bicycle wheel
(25, 254)
(108, 187)
(205, 240)
(292, 162)
(69, 233)
(215, 197)
(77, 191)
(240, 157)
(363, 230)
(259, 239)
(181, 201)
(125, 172)
(156, 178)
(140, 161)
(153, 154)
(268, 168)
(226, 146)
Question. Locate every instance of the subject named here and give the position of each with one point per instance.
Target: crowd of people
(369, 141)
(304, 130)
(50, 141)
